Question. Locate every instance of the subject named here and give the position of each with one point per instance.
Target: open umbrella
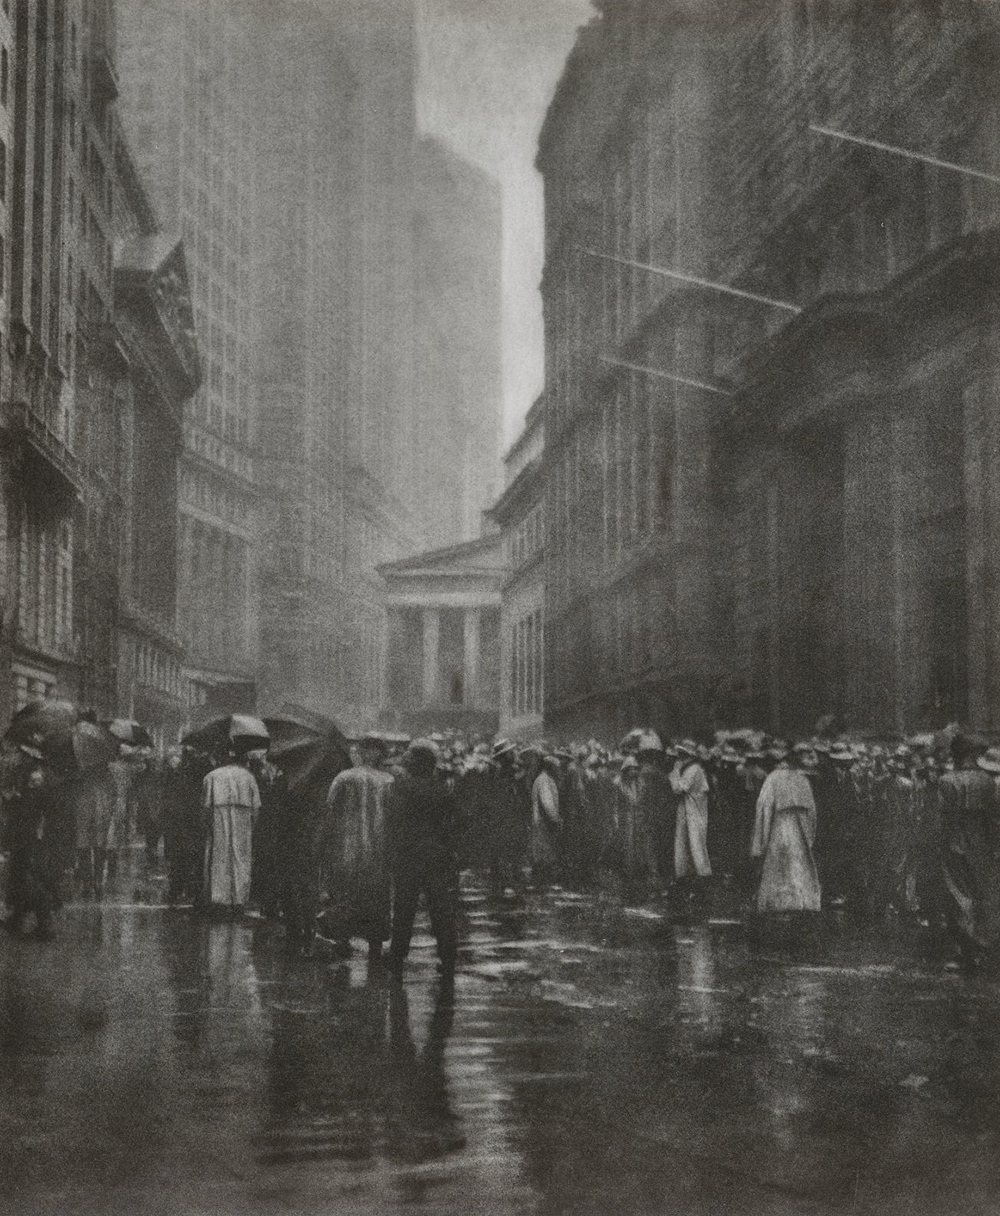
(39, 720)
(55, 730)
(132, 733)
(241, 730)
(307, 746)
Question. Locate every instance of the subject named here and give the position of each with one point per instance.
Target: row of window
(44, 609)
(527, 660)
(528, 538)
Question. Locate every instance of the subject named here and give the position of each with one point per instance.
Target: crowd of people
(908, 827)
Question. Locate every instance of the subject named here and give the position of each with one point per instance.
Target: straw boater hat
(990, 760)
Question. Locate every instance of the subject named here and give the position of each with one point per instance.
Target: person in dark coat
(424, 826)
(33, 841)
(183, 824)
(970, 825)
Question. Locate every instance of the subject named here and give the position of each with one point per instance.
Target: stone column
(471, 673)
(432, 638)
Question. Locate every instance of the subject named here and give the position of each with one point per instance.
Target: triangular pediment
(482, 556)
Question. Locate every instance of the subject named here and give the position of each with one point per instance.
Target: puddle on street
(159, 1063)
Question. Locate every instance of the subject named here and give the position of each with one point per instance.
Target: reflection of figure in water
(783, 835)
(327, 1077)
(421, 1124)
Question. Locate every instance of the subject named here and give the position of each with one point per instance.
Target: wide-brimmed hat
(424, 749)
(990, 760)
(503, 747)
(649, 741)
(686, 747)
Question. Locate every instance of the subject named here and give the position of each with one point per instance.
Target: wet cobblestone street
(590, 1058)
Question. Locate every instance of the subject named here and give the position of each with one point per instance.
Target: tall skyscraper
(455, 431)
(382, 466)
(188, 83)
(304, 208)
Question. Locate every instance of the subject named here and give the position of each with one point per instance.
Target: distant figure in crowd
(355, 874)
(31, 839)
(231, 799)
(424, 827)
(147, 797)
(783, 835)
(93, 808)
(121, 772)
(183, 825)
(970, 823)
(630, 850)
(656, 804)
(690, 783)
(545, 820)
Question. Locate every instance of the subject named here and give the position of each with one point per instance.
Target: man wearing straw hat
(689, 781)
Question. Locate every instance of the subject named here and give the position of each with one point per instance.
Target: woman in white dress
(783, 835)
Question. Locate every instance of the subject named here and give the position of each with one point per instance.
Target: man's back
(424, 817)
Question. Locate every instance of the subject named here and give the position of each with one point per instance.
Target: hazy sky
(488, 69)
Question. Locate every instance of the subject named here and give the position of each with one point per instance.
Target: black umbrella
(55, 731)
(40, 720)
(307, 746)
(238, 730)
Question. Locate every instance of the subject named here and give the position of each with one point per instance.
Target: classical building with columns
(442, 640)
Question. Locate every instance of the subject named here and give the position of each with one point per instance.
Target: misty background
(487, 70)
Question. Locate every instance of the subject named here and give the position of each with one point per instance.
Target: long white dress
(232, 800)
(688, 780)
(784, 832)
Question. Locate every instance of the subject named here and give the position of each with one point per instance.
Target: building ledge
(138, 620)
(42, 655)
(45, 454)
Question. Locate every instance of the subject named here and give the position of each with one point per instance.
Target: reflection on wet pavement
(585, 1060)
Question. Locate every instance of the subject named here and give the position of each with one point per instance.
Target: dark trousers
(185, 858)
(438, 884)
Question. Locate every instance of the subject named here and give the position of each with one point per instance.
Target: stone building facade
(83, 374)
(304, 351)
(773, 505)
(520, 515)
(188, 74)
